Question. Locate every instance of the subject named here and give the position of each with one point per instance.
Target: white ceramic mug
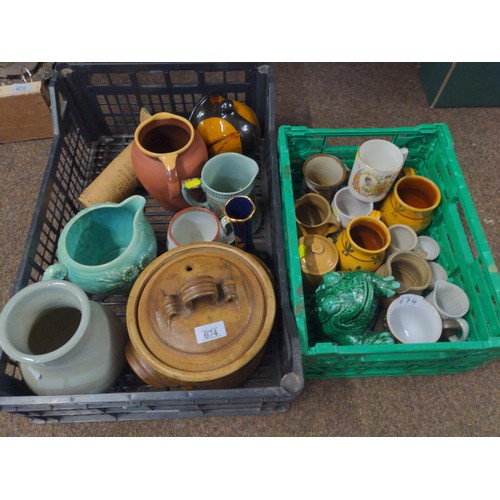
(449, 299)
(196, 224)
(346, 207)
(413, 320)
(376, 166)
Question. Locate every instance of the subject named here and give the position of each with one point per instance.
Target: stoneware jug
(64, 343)
(167, 150)
(104, 248)
(410, 269)
(313, 215)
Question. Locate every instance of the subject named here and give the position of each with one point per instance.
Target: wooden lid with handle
(201, 311)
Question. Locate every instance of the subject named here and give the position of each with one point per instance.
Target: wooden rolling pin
(117, 181)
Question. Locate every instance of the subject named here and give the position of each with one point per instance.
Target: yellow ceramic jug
(412, 201)
(362, 245)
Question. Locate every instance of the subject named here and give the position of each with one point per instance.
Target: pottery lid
(201, 311)
(318, 254)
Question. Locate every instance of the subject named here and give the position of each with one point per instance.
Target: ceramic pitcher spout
(135, 203)
(255, 172)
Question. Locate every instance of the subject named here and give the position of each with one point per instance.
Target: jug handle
(333, 224)
(173, 184)
(227, 231)
(193, 183)
(55, 272)
(407, 171)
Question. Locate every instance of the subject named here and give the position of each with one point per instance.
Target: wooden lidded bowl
(199, 316)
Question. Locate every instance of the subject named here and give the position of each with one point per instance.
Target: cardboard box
(24, 112)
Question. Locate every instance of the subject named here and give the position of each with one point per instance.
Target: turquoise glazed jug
(104, 248)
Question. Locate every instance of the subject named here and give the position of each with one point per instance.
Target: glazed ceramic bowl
(428, 246)
(413, 320)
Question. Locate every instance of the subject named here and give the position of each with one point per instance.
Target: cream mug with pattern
(376, 166)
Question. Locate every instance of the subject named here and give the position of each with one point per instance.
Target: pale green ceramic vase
(69, 354)
(104, 248)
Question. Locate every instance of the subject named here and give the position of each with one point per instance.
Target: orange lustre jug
(165, 151)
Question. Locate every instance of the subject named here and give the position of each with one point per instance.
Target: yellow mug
(362, 245)
(412, 201)
(314, 215)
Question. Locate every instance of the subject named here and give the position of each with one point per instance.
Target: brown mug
(314, 215)
(323, 175)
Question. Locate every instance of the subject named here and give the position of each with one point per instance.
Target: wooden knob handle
(184, 303)
(195, 288)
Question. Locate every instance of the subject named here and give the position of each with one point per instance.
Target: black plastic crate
(95, 110)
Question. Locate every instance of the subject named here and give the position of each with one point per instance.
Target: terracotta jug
(165, 151)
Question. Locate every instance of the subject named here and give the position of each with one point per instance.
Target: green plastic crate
(464, 254)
